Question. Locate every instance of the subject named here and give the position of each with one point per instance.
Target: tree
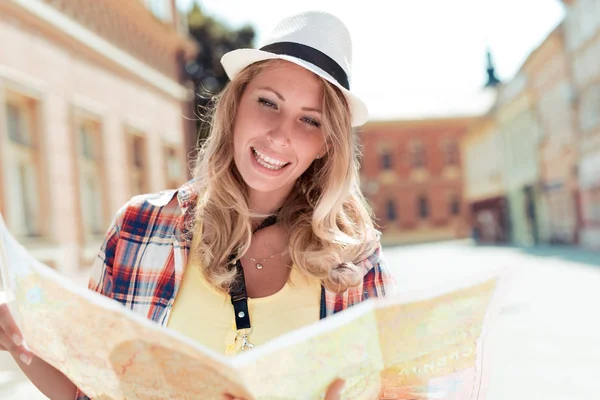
(214, 39)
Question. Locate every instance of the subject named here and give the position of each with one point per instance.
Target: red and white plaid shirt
(144, 255)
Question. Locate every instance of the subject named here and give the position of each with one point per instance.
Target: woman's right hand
(11, 338)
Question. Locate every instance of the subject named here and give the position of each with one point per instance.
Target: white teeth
(267, 161)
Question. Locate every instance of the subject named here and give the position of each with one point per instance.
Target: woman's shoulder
(378, 279)
(369, 253)
(371, 258)
(149, 209)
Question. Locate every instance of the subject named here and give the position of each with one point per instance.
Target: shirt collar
(187, 195)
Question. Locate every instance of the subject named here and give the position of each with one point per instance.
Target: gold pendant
(259, 266)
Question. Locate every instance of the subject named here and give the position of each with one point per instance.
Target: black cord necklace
(239, 297)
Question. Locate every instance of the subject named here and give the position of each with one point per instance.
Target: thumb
(335, 390)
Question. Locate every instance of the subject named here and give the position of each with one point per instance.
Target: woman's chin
(267, 185)
(260, 186)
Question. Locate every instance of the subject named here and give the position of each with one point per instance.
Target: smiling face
(277, 132)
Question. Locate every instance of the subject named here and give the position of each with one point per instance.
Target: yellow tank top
(205, 314)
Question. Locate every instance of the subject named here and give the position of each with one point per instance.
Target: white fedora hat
(315, 40)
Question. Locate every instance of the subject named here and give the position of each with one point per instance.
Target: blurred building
(582, 39)
(552, 93)
(484, 191)
(413, 178)
(483, 158)
(520, 134)
(92, 111)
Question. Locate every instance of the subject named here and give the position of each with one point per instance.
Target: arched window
(450, 151)
(417, 155)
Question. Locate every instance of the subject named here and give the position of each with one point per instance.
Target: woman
(273, 233)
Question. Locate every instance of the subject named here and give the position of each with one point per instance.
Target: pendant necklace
(258, 263)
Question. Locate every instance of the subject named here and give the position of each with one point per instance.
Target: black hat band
(311, 55)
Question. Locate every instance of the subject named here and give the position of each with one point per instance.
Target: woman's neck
(266, 203)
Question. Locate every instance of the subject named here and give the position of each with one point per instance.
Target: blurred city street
(484, 123)
(547, 343)
(547, 339)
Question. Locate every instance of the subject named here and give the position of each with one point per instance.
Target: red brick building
(411, 174)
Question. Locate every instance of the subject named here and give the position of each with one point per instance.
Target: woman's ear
(324, 150)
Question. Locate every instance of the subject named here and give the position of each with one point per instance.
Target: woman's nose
(280, 134)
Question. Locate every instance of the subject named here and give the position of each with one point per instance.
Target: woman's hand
(11, 339)
(50, 381)
(333, 391)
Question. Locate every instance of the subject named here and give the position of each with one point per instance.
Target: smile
(268, 162)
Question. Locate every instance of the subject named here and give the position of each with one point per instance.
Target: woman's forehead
(288, 72)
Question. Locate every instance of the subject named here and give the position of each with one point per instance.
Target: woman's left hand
(334, 391)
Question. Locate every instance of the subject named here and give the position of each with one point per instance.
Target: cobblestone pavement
(547, 338)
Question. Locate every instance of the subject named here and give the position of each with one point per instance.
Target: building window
(450, 151)
(173, 167)
(19, 131)
(454, 205)
(391, 210)
(386, 160)
(138, 164)
(23, 198)
(423, 206)
(91, 170)
(417, 155)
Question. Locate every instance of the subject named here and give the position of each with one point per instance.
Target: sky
(417, 58)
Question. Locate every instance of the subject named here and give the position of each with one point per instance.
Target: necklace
(259, 262)
(271, 220)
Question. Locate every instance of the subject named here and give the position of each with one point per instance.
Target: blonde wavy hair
(328, 220)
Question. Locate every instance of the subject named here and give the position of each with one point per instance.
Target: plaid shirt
(144, 254)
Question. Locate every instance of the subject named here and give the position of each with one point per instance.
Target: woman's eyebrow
(318, 110)
(274, 91)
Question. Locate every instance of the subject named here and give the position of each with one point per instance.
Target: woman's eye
(266, 103)
(312, 122)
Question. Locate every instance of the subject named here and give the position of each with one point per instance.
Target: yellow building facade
(520, 133)
(553, 94)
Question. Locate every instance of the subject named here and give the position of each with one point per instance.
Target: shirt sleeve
(378, 280)
(101, 275)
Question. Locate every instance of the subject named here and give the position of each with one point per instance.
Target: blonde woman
(273, 233)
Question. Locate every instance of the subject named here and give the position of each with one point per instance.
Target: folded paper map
(411, 346)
